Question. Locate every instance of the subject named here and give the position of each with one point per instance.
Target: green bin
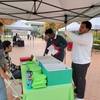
(57, 76)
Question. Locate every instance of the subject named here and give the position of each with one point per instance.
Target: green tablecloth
(59, 92)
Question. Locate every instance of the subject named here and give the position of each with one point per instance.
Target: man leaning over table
(59, 41)
(81, 57)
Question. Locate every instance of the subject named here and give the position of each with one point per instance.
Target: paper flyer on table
(52, 50)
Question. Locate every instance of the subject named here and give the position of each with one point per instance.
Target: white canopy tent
(62, 29)
(17, 31)
(19, 26)
(95, 23)
(59, 11)
(71, 27)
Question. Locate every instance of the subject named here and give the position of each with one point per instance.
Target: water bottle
(29, 79)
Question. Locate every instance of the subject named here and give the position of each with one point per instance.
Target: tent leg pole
(65, 57)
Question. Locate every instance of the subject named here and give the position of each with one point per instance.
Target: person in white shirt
(81, 57)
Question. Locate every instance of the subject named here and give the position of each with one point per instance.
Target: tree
(7, 31)
(49, 25)
(7, 21)
(54, 26)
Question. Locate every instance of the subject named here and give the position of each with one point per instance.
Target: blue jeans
(3, 94)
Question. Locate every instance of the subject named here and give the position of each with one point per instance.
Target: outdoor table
(57, 92)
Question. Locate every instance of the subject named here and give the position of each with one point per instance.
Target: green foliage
(6, 38)
(54, 26)
(62, 25)
(96, 42)
(39, 36)
(7, 30)
(50, 25)
(96, 35)
(96, 47)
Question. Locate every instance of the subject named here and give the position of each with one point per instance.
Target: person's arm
(3, 75)
(64, 43)
(15, 66)
(46, 50)
(6, 66)
(8, 63)
(77, 38)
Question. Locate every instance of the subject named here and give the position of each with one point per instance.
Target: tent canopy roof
(95, 23)
(74, 26)
(18, 26)
(62, 29)
(50, 10)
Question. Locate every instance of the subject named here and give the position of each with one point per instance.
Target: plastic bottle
(29, 79)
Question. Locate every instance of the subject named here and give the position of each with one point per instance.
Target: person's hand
(9, 74)
(4, 76)
(69, 49)
(56, 48)
(8, 71)
(17, 67)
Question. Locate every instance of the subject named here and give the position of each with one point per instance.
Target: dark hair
(1, 24)
(88, 24)
(49, 31)
(6, 44)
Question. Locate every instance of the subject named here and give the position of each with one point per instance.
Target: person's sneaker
(79, 99)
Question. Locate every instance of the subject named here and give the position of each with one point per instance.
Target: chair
(15, 89)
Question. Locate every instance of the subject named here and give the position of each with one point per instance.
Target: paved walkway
(93, 75)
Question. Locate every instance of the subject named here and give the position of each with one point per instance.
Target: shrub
(96, 47)
(96, 42)
(39, 36)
